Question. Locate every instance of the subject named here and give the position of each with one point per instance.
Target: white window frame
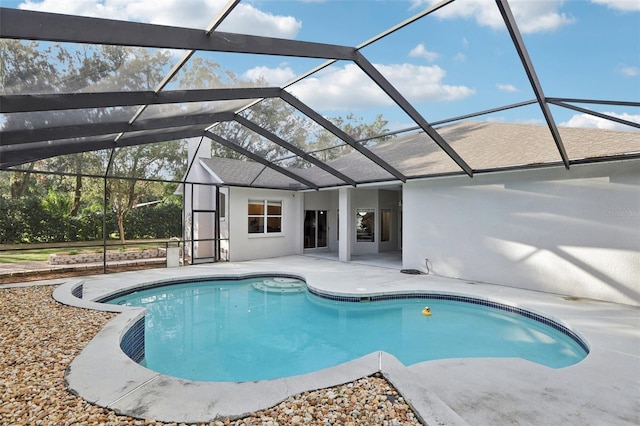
(222, 207)
(371, 236)
(264, 217)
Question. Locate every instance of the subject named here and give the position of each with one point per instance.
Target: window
(222, 205)
(264, 212)
(365, 223)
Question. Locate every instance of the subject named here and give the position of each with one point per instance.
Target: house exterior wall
(245, 246)
(573, 232)
(376, 199)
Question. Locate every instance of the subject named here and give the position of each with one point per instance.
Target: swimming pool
(271, 327)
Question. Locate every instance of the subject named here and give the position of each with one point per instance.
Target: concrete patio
(602, 389)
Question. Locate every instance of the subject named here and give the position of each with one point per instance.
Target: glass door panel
(309, 229)
(322, 228)
(315, 229)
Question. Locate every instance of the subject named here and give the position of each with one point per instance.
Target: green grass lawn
(42, 254)
(26, 255)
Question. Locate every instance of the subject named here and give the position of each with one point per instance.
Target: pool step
(280, 285)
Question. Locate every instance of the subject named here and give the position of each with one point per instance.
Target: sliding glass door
(315, 229)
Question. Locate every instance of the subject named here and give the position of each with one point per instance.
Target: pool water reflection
(244, 330)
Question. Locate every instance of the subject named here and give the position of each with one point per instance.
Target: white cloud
(590, 121)
(421, 52)
(506, 88)
(91, 8)
(623, 5)
(423, 83)
(460, 57)
(628, 71)
(245, 18)
(339, 88)
(531, 16)
(349, 88)
(273, 76)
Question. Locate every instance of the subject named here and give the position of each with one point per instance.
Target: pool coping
(104, 375)
(128, 388)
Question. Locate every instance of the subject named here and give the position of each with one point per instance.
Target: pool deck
(603, 389)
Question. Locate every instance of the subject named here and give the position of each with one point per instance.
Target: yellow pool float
(426, 311)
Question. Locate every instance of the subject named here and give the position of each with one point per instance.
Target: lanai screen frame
(21, 146)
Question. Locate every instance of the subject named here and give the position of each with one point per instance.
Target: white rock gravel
(40, 337)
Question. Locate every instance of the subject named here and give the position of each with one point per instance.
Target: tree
(327, 146)
(26, 67)
(21, 183)
(31, 67)
(358, 129)
(135, 164)
(275, 116)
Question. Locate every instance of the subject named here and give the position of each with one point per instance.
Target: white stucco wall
(573, 232)
(245, 246)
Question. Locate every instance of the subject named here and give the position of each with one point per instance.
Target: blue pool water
(242, 330)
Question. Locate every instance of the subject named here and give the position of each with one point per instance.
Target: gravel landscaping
(40, 337)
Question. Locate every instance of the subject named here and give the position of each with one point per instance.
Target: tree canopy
(72, 186)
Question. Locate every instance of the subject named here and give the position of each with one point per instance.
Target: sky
(456, 61)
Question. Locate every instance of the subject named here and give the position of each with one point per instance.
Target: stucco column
(346, 224)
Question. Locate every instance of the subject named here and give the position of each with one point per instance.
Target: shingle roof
(484, 145)
(96, 104)
(489, 145)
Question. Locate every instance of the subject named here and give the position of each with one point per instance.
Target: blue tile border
(457, 298)
(132, 342)
(77, 291)
(148, 286)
